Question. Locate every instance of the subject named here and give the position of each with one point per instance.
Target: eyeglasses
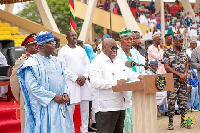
(52, 42)
(194, 43)
(113, 47)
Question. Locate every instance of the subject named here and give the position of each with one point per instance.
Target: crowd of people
(180, 22)
(49, 87)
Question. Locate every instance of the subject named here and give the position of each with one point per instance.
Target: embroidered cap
(125, 32)
(178, 37)
(44, 37)
(153, 62)
(155, 35)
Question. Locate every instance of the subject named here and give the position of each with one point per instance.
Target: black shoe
(91, 129)
(94, 125)
(177, 112)
(170, 126)
(166, 114)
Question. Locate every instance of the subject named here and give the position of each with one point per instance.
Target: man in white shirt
(188, 16)
(105, 70)
(192, 31)
(182, 14)
(77, 64)
(142, 18)
(192, 45)
(146, 35)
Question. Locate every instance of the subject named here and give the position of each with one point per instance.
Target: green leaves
(60, 11)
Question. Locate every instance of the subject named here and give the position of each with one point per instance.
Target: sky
(17, 7)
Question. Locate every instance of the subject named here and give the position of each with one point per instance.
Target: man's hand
(183, 77)
(78, 80)
(121, 82)
(140, 77)
(58, 99)
(65, 98)
(82, 81)
(189, 87)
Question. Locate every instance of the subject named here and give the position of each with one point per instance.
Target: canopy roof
(12, 1)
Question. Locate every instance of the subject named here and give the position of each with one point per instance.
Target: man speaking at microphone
(105, 70)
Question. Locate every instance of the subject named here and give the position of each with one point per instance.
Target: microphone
(131, 64)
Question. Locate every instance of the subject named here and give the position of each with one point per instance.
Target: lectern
(144, 101)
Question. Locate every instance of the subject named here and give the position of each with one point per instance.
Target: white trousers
(92, 115)
(84, 108)
(3, 91)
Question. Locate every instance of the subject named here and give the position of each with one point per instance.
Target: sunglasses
(113, 47)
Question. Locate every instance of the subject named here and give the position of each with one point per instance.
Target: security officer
(176, 62)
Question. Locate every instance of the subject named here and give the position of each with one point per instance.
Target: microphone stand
(147, 66)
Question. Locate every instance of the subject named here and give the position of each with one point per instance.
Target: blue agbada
(41, 78)
(89, 51)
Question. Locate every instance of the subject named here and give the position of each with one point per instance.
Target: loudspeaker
(14, 53)
(6, 44)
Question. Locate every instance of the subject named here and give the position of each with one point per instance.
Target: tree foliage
(60, 11)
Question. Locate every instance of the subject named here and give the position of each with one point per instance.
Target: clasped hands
(182, 77)
(61, 99)
(81, 81)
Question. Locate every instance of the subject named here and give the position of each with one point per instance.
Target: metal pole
(162, 20)
(110, 24)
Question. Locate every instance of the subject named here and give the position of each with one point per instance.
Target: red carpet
(9, 117)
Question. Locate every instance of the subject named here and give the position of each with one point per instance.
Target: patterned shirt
(176, 61)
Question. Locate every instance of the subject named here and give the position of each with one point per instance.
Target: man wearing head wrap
(31, 47)
(77, 64)
(155, 51)
(176, 61)
(45, 97)
(125, 53)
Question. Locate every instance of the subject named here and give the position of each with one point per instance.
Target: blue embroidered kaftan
(41, 78)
